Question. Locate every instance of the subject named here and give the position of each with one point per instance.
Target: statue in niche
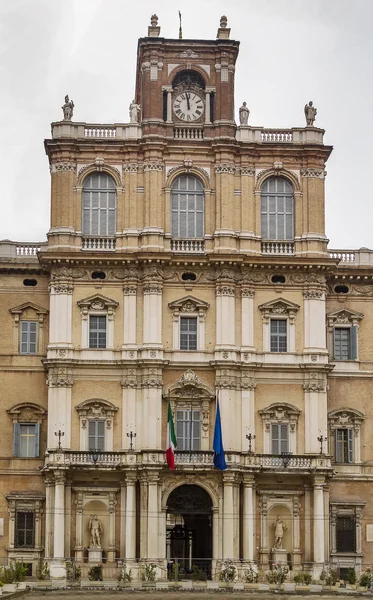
(95, 531)
(134, 112)
(68, 109)
(244, 114)
(280, 527)
(310, 112)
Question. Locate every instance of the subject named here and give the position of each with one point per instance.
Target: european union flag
(219, 458)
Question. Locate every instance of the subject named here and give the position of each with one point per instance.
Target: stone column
(318, 521)
(79, 547)
(122, 521)
(215, 535)
(297, 552)
(152, 317)
(248, 518)
(168, 90)
(314, 322)
(247, 319)
(225, 317)
(307, 524)
(129, 318)
(68, 509)
(60, 384)
(143, 516)
(153, 532)
(49, 488)
(228, 515)
(131, 517)
(315, 411)
(111, 529)
(60, 319)
(59, 515)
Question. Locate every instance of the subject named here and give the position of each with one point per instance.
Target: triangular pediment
(189, 304)
(98, 302)
(18, 310)
(279, 306)
(344, 315)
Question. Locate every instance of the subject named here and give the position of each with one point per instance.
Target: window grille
(346, 534)
(25, 530)
(277, 210)
(187, 208)
(99, 200)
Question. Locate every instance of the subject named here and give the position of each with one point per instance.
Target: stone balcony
(201, 459)
(358, 258)
(20, 251)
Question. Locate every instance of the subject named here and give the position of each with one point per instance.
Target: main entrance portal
(189, 529)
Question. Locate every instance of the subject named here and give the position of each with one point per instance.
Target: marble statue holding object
(310, 112)
(68, 109)
(134, 112)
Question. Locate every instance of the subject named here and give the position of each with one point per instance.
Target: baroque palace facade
(186, 258)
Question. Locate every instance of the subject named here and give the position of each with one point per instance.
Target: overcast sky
(292, 51)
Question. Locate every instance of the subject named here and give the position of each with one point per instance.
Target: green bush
(351, 576)
(95, 573)
(277, 575)
(366, 578)
(329, 576)
(149, 572)
(42, 570)
(251, 576)
(73, 573)
(302, 578)
(197, 574)
(14, 573)
(124, 575)
(228, 572)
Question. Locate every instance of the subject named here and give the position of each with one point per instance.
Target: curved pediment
(96, 408)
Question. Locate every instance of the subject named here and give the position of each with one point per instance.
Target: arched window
(99, 204)
(277, 209)
(187, 208)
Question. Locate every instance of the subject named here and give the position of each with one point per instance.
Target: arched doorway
(189, 529)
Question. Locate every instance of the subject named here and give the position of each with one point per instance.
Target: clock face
(188, 106)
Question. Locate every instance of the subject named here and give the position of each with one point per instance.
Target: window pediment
(345, 316)
(97, 302)
(39, 311)
(27, 412)
(342, 418)
(280, 413)
(279, 308)
(189, 304)
(190, 386)
(96, 408)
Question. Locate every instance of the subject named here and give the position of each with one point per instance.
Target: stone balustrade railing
(188, 245)
(20, 250)
(295, 135)
(202, 458)
(280, 247)
(98, 243)
(188, 133)
(96, 131)
(362, 257)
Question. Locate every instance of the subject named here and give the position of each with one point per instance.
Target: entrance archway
(189, 529)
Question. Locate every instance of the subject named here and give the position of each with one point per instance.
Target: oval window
(30, 282)
(98, 275)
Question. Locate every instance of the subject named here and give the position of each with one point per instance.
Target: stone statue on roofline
(68, 109)
(244, 114)
(134, 111)
(310, 112)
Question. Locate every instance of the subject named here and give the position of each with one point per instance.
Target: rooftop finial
(154, 30)
(180, 28)
(223, 31)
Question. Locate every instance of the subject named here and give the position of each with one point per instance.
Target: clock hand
(187, 99)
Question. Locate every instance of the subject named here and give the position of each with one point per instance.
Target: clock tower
(186, 87)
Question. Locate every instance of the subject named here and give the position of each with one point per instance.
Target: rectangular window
(279, 438)
(29, 337)
(346, 534)
(188, 333)
(96, 435)
(188, 429)
(343, 445)
(25, 530)
(345, 343)
(97, 331)
(278, 335)
(26, 440)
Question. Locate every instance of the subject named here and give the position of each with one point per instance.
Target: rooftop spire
(180, 28)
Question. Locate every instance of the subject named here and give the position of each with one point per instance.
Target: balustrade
(188, 133)
(98, 243)
(100, 132)
(197, 246)
(277, 136)
(280, 247)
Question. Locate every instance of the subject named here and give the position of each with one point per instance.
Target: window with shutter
(277, 210)
(25, 529)
(344, 445)
(28, 337)
(278, 334)
(279, 438)
(99, 205)
(188, 430)
(342, 343)
(96, 435)
(188, 333)
(187, 208)
(28, 440)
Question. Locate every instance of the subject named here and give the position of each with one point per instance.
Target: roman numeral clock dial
(188, 106)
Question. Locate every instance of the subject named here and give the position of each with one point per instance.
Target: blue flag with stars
(219, 458)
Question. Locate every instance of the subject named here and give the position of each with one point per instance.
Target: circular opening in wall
(98, 275)
(341, 289)
(30, 282)
(189, 277)
(278, 279)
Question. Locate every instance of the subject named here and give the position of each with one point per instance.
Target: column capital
(131, 478)
(248, 480)
(229, 478)
(318, 481)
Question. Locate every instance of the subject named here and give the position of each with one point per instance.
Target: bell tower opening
(189, 530)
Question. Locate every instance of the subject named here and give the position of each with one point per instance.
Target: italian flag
(171, 439)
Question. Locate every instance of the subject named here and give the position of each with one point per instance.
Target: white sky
(292, 51)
